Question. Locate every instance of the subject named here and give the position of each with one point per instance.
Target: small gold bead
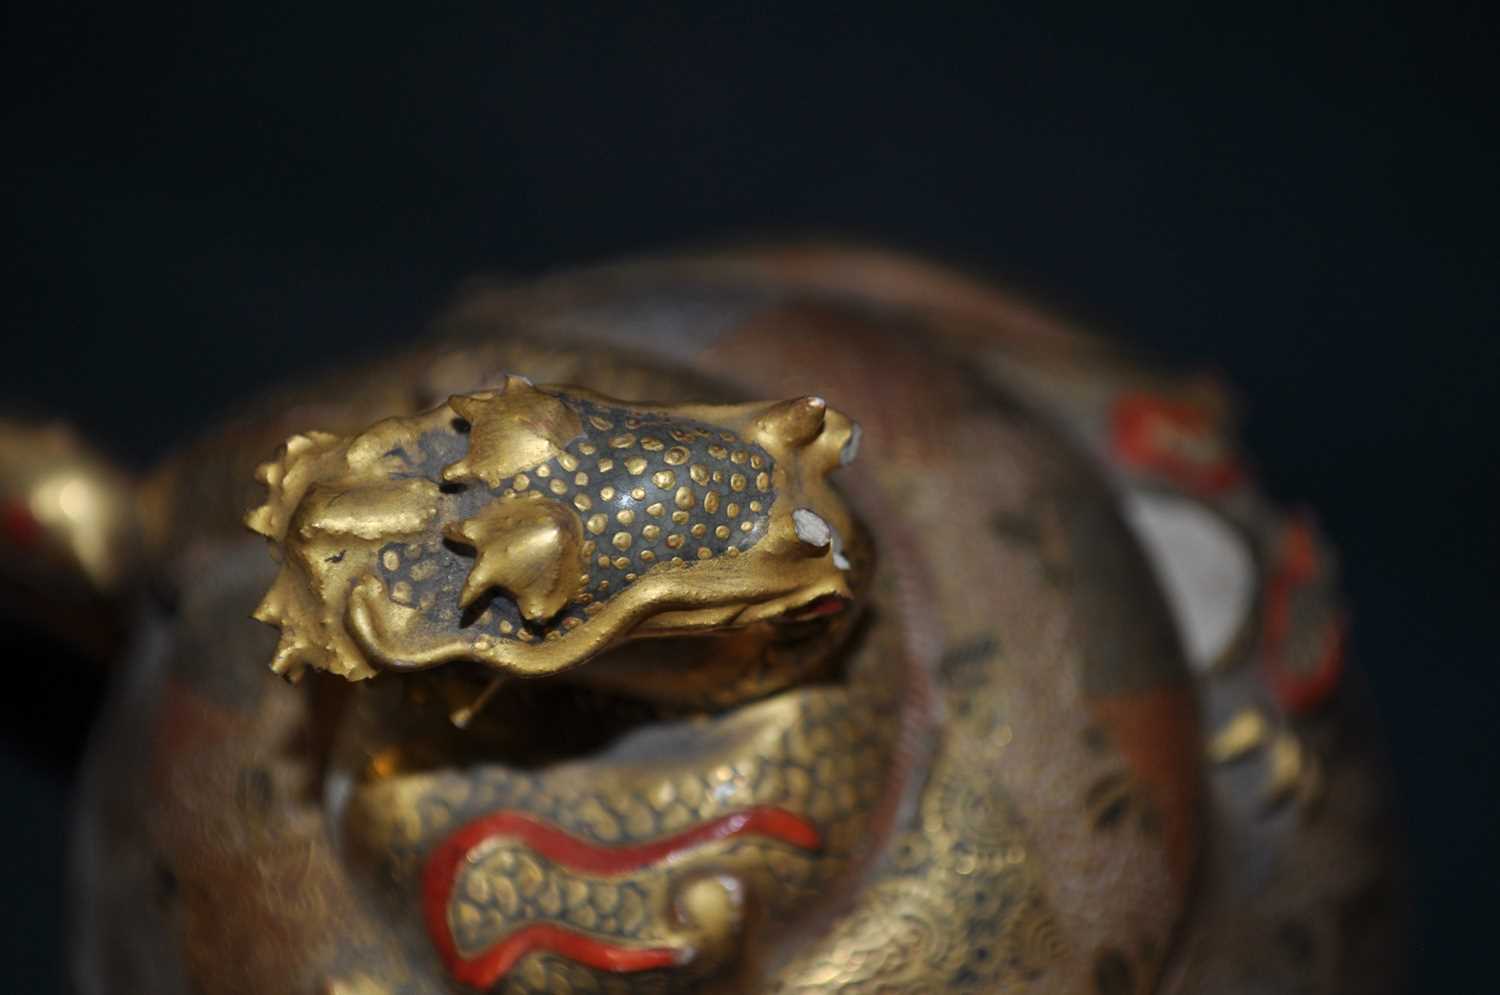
(558, 487)
(746, 525)
(622, 563)
(732, 510)
(605, 465)
(737, 482)
(600, 423)
(639, 493)
(680, 517)
(699, 530)
(521, 482)
(676, 456)
(722, 532)
(622, 540)
(543, 471)
(654, 509)
(651, 445)
(757, 461)
(606, 493)
(738, 456)
(718, 452)
(651, 532)
(711, 502)
(567, 462)
(685, 498)
(704, 553)
(582, 502)
(580, 479)
(596, 523)
(665, 479)
(674, 541)
(635, 465)
(587, 448)
(647, 556)
(762, 482)
(623, 441)
(625, 516)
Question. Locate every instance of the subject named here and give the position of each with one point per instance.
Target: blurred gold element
(1292, 770)
(66, 515)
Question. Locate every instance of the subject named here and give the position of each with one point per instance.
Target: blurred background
(200, 200)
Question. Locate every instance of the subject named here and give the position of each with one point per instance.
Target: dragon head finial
(531, 528)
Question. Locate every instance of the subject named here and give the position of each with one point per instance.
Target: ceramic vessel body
(1093, 731)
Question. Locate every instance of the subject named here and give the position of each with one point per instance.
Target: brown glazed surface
(1003, 767)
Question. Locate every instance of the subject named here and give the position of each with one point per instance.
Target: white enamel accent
(1204, 566)
(811, 529)
(851, 448)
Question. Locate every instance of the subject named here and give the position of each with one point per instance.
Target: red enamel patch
(19, 525)
(1174, 438)
(1298, 571)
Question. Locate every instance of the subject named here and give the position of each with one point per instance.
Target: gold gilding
(334, 504)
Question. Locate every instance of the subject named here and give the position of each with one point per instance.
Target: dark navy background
(200, 199)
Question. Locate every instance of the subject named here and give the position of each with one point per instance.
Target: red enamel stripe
(439, 878)
(489, 967)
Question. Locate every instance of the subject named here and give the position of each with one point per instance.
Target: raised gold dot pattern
(626, 476)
